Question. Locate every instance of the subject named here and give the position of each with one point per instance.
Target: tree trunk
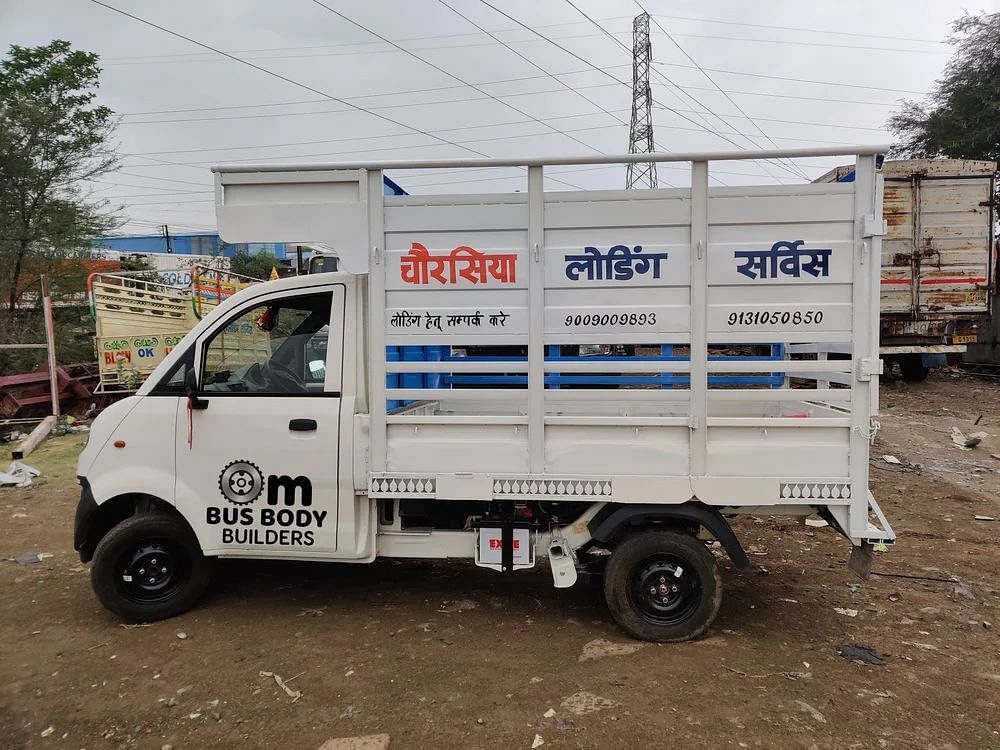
(16, 276)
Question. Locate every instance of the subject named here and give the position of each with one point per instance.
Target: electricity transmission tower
(640, 137)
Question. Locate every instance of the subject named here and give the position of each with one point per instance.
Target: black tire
(655, 559)
(179, 579)
(911, 367)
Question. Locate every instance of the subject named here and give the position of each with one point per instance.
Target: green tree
(961, 119)
(53, 140)
(254, 265)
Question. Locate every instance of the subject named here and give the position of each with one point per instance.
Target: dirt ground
(449, 656)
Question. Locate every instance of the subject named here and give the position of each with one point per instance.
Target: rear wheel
(911, 367)
(663, 586)
(149, 567)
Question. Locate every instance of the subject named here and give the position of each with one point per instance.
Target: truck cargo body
(938, 268)
(298, 442)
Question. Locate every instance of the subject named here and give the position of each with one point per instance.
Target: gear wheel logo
(241, 482)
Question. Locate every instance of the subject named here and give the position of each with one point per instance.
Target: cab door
(257, 451)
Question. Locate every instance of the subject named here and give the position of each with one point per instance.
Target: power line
(713, 82)
(409, 92)
(172, 203)
(814, 44)
(126, 185)
(288, 157)
(798, 28)
(405, 176)
(601, 70)
(357, 138)
(160, 179)
(444, 130)
(160, 195)
(381, 107)
(280, 76)
(216, 109)
(127, 59)
(706, 126)
(451, 181)
(447, 73)
(130, 59)
(179, 60)
(484, 83)
(808, 122)
(798, 80)
(682, 90)
(793, 96)
(533, 63)
(353, 53)
(549, 175)
(390, 148)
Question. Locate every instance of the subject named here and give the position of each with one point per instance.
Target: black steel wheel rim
(152, 571)
(664, 589)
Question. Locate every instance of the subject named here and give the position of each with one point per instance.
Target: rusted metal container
(938, 264)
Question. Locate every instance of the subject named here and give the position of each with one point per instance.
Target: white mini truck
(420, 402)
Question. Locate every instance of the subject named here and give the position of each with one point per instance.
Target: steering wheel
(281, 378)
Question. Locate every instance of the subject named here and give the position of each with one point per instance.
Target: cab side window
(275, 348)
(173, 383)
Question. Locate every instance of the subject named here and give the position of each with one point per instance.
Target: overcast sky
(795, 73)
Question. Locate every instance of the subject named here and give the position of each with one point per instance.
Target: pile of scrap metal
(27, 395)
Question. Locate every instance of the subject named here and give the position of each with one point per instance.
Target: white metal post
(50, 343)
(699, 317)
(536, 320)
(876, 288)
(371, 192)
(866, 264)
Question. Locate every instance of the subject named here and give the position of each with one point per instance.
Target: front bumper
(85, 510)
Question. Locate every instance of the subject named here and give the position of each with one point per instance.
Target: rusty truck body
(938, 262)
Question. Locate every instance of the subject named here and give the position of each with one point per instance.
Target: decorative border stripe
(815, 491)
(395, 486)
(523, 486)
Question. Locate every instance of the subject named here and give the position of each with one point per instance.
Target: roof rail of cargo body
(551, 161)
(340, 203)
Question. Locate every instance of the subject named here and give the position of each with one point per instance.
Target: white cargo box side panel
(780, 264)
(456, 272)
(618, 269)
(320, 206)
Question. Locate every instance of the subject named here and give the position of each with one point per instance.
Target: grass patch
(56, 457)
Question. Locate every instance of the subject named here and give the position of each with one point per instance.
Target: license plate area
(490, 547)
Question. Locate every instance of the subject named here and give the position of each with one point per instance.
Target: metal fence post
(50, 342)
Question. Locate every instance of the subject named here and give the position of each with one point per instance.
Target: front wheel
(663, 586)
(149, 567)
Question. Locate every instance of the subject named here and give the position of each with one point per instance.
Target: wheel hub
(664, 590)
(151, 572)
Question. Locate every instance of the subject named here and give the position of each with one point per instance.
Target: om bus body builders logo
(241, 482)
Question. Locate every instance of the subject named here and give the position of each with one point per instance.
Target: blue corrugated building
(205, 243)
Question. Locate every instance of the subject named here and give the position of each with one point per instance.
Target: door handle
(302, 425)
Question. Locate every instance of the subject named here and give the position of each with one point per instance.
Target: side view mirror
(191, 388)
